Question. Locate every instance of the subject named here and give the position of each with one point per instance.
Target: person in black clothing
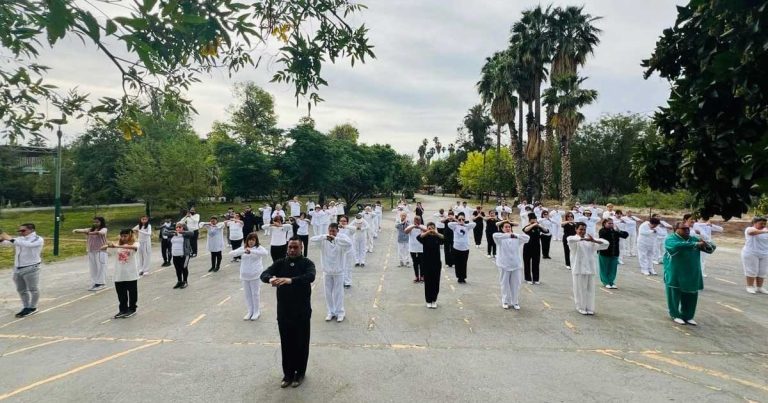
(478, 216)
(448, 241)
(165, 241)
(546, 237)
(249, 221)
(532, 249)
(420, 211)
(569, 229)
(609, 258)
(491, 227)
(293, 276)
(431, 264)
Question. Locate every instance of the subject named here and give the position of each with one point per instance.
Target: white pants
(323, 229)
(97, 262)
(252, 289)
(645, 256)
(402, 252)
(142, 257)
(658, 251)
(358, 248)
(369, 241)
(348, 258)
(754, 266)
(316, 229)
(703, 260)
(556, 232)
(584, 291)
(334, 294)
(510, 285)
(377, 223)
(631, 244)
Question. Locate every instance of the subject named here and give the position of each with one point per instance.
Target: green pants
(608, 268)
(681, 304)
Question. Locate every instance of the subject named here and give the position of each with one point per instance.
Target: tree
(170, 44)
(301, 165)
(345, 132)
(476, 177)
(715, 127)
(477, 122)
(96, 155)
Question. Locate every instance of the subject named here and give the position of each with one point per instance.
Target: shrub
(678, 200)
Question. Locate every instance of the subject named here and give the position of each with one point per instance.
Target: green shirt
(682, 263)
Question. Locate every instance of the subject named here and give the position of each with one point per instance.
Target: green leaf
(148, 5)
(58, 20)
(92, 25)
(194, 19)
(110, 28)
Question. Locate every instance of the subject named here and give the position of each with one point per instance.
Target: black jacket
(612, 236)
(293, 300)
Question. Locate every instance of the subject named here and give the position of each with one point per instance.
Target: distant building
(26, 159)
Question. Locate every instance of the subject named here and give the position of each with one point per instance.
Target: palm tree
(422, 151)
(477, 123)
(531, 43)
(430, 153)
(451, 149)
(570, 97)
(496, 87)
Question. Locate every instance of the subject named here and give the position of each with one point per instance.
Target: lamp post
(57, 198)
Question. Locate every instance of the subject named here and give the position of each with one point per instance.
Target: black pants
(294, 345)
(545, 241)
(278, 252)
(236, 244)
(127, 294)
(491, 244)
(305, 241)
(567, 252)
(418, 264)
(448, 249)
(531, 259)
(478, 233)
(165, 250)
(193, 241)
(431, 272)
(180, 263)
(460, 257)
(216, 260)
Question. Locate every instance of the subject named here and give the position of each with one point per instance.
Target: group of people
(595, 242)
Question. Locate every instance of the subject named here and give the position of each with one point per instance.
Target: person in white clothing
(646, 245)
(461, 230)
(347, 230)
(310, 206)
(235, 226)
(609, 212)
(333, 249)
(144, 229)
(402, 240)
(378, 210)
(302, 231)
(251, 265)
(330, 213)
(622, 223)
(510, 263)
(661, 235)
(26, 265)
(415, 248)
(630, 223)
(278, 244)
(360, 239)
(215, 241)
(704, 229)
(192, 221)
(590, 221)
(754, 256)
(316, 219)
(556, 215)
(369, 218)
(266, 217)
(97, 258)
(584, 249)
(126, 274)
(279, 212)
(294, 206)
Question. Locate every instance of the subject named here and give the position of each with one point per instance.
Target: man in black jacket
(293, 276)
(249, 221)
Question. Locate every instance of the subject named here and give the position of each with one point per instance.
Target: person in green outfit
(609, 258)
(682, 272)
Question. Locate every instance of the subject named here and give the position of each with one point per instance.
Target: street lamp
(57, 197)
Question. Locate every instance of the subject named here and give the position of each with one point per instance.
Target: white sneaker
(692, 322)
(516, 307)
(762, 290)
(653, 273)
(340, 319)
(590, 312)
(678, 321)
(247, 316)
(537, 282)
(705, 276)
(621, 261)
(488, 256)
(434, 305)
(568, 267)
(429, 305)
(751, 290)
(505, 306)
(581, 311)
(529, 282)
(645, 273)
(328, 317)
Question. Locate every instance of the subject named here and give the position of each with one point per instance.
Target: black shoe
(165, 264)
(361, 265)
(357, 264)
(296, 382)
(22, 313)
(129, 313)
(461, 281)
(347, 286)
(119, 315)
(193, 255)
(183, 285)
(216, 269)
(210, 270)
(29, 311)
(178, 284)
(284, 384)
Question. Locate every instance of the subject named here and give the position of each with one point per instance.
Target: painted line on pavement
(223, 301)
(725, 281)
(197, 319)
(58, 306)
(707, 371)
(33, 347)
(733, 308)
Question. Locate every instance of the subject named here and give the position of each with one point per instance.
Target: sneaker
(608, 286)
(581, 311)
(340, 319)
(621, 261)
(429, 305)
(30, 311)
(653, 273)
(590, 312)
(421, 279)
(178, 285)
(362, 264)
(99, 287)
(22, 313)
(297, 382)
(516, 307)
(751, 290)
(216, 269)
(762, 290)
(247, 316)
(655, 262)
(210, 270)
(691, 322)
(488, 256)
(568, 267)
(328, 317)
(347, 285)
(284, 384)
(505, 306)
(645, 273)
(537, 282)
(613, 286)
(141, 274)
(357, 264)
(416, 280)
(119, 315)
(678, 321)
(434, 305)
(129, 314)
(256, 316)
(93, 287)
(183, 285)
(529, 282)
(165, 264)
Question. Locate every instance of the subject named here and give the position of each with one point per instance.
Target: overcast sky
(422, 82)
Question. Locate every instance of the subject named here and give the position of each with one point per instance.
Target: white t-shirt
(461, 234)
(235, 230)
(125, 264)
(414, 246)
(756, 245)
(216, 237)
(295, 208)
(508, 255)
(303, 227)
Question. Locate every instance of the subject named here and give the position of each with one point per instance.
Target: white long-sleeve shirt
(278, 234)
(303, 227)
(704, 230)
(280, 213)
(251, 265)
(584, 254)
(645, 234)
(295, 208)
(360, 226)
(591, 224)
(28, 250)
(508, 255)
(192, 221)
(215, 242)
(332, 252)
(145, 234)
(549, 225)
(461, 234)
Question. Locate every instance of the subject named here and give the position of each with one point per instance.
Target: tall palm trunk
(516, 147)
(548, 177)
(497, 174)
(565, 163)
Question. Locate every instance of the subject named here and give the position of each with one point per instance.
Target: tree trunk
(565, 175)
(548, 177)
(516, 148)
